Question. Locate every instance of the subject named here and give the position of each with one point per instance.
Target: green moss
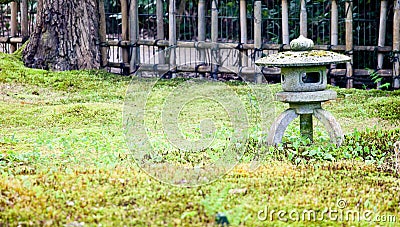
(64, 160)
(18, 53)
(385, 108)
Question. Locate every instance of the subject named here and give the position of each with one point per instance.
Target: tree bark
(66, 36)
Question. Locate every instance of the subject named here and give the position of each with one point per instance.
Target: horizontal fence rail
(213, 38)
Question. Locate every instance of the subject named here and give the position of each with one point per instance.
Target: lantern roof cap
(301, 54)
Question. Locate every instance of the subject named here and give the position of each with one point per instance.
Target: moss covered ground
(64, 161)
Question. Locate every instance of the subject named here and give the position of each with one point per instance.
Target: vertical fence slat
(257, 29)
(243, 31)
(14, 24)
(214, 21)
(24, 19)
(172, 34)
(285, 22)
(303, 18)
(334, 23)
(125, 32)
(396, 43)
(160, 28)
(214, 38)
(134, 34)
(202, 28)
(102, 33)
(243, 21)
(382, 35)
(334, 30)
(258, 35)
(349, 42)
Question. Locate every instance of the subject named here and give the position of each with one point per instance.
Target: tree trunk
(66, 36)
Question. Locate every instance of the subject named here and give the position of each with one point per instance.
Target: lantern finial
(301, 44)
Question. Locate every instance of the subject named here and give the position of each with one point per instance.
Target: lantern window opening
(311, 77)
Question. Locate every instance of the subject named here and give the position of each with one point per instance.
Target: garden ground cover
(64, 160)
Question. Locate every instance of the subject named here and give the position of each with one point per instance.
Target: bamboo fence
(206, 50)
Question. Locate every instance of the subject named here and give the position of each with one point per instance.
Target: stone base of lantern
(305, 105)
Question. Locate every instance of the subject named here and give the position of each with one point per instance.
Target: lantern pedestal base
(305, 105)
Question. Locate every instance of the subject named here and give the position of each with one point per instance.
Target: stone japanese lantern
(304, 80)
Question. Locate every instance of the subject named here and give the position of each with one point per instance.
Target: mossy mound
(13, 70)
(386, 108)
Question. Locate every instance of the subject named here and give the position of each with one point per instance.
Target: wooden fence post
(349, 42)
(160, 29)
(382, 36)
(334, 31)
(334, 23)
(24, 20)
(172, 34)
(258, 36)
(243, 31)
(396, 43)
(103, 34)
(214, 21)
(214, 39)
(202, 29)
(134, 35)
(257, 30)
(303, 18)
(285, 22)
(125, 31)
(14, 24)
